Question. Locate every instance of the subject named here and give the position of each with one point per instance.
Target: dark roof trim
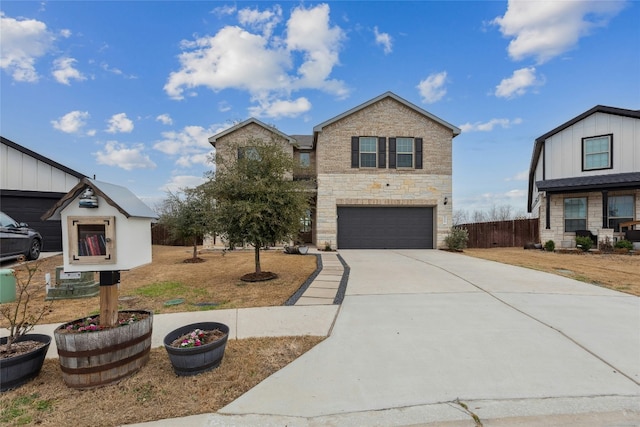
(592, 182)
(539, 142)
(456, 131)
(40, 157)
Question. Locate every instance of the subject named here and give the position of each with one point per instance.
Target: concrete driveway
(435, 337)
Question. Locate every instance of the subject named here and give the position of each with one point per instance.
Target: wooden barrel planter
(195, 360)
(95, 359)
(17, 370)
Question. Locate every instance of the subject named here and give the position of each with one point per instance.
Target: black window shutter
(392, 153)
(382, 152)
(240, 153)
(355, 152)
(418, 142)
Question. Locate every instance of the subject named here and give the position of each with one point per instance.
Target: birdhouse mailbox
(105, 227)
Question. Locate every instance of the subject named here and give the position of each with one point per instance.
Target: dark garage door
(385, 227)
(25, 206)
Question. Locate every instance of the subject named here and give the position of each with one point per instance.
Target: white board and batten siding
(563, 151)
(20, 171)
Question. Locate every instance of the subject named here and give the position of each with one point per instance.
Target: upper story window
(404, 152)
(596, 152)
(250, 153)
(305, 160)
(575, 214)
(368, 151)
(620, 210)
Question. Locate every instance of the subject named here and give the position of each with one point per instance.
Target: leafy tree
(188, 215)
(257, 201)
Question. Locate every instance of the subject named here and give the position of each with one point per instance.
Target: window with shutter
(382, 152)
(368, 151)
(404, 152)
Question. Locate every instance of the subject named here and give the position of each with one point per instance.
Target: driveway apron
(427, 328)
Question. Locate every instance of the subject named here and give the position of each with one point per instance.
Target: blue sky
(130, 91)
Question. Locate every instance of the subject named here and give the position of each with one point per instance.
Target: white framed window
(404, 152)
(596, 152)
(575, 214)
(368, 151)
(91, 239)
(620, 209)
(250, 153)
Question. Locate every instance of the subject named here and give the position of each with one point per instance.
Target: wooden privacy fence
(160, 236)
(502, 234)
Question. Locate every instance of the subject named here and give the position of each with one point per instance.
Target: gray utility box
(73, 285)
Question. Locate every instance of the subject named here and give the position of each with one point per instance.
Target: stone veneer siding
(594, 217)
(341, 185)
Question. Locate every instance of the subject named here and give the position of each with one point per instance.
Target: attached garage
(385, 227)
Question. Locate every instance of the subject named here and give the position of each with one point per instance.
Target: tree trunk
(257, 258)
(195, 247)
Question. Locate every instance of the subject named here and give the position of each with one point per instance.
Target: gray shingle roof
(591, 182)
(117, 196)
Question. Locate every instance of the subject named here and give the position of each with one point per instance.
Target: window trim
(413, 152)
(374, 152)
(584, 154)
(618, 218)
(564, 213)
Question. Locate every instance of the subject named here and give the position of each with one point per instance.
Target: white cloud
(127, 158)
(65, 33)
(383, 39)
(488, 126)
(281, 108)
(546, 29)
(165, 119)
(120, 123)
(520, 176)
(432, 88)
(64, 71)
(191, 143)
(23, 42)
(72, 122)
(180, 182)
(264, 21)
(267, 66)
(519, 83)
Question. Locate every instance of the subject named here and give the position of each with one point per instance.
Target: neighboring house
(585, 175)
(30, 184)
(382, 171)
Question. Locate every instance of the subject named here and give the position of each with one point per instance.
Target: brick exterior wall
(227, 146)
(340, 184)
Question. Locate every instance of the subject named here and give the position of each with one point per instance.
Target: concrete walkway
(435, 338)
(324, 288)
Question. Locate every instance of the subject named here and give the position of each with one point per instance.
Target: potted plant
(22, 354)
(196, 348)
(92, 354)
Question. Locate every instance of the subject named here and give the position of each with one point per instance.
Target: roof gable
(41, 158)
(117, 196)
(456, 131)
(213, 139)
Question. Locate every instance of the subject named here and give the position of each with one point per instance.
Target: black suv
(18, 239)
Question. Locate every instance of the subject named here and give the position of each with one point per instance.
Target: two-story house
(383, 174)
(585, 176)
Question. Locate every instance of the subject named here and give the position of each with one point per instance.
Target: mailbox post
(105, 228)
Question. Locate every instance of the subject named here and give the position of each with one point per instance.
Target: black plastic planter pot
(17, 370)
(195, 360)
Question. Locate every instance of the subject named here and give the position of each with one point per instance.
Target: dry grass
(614, 271)
(216, 280)
(154, 392)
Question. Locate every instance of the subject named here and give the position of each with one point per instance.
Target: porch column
(605, 209)
(548, 212)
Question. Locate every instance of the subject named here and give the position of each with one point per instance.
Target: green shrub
(624, 244)
(584, 243)
(549, 246)
(457, 239)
